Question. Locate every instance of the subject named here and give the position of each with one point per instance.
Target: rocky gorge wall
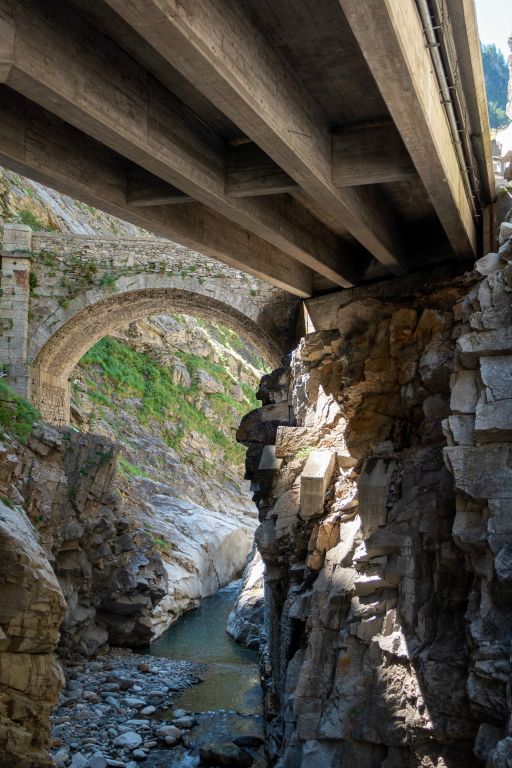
(383, 527)
(76, 575)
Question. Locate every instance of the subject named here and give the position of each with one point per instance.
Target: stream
(231, 678)
(228, 702)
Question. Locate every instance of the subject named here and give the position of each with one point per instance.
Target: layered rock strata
(479, 454)
(107, 566)
(372, 601)
(31, 610)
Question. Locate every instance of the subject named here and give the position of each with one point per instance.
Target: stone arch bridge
(61, 293)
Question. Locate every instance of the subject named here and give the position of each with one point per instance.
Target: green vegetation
(303, 453)
(17, 415)
(496, 84)
(130, 374)
(33, 283)
(127, 468)
(27, 216)
(108, 281)
(47, 258)
(232, 340)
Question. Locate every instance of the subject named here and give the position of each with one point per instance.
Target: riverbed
(231, 676)
(193, 697)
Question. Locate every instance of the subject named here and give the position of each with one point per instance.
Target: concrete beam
(37, 144)
(63, 64)
(314, 480)
(369, 154)
(470, 68)
(250, 173)
(144, 189)
(218, 49)
(391, 38)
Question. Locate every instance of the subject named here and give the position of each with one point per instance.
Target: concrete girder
(37, 144)
(218, 50)
(63, 64)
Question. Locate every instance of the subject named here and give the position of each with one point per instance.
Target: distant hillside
(496, 83)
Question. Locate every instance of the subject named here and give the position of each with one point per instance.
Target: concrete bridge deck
(315, 144)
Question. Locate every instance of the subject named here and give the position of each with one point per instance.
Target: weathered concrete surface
(163, 141)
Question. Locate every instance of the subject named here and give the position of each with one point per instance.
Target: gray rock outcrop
(208, 551)
(246, 620)
(107, 566)
(31, 611)
(387, 578)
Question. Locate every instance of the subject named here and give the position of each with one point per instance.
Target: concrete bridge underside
(316, 145)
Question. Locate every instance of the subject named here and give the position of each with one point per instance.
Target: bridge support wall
(51, 394)
(14, 306)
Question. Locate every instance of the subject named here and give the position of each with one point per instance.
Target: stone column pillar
(14, 305)
(509, 99)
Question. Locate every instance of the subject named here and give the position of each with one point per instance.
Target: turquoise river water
(231, 676)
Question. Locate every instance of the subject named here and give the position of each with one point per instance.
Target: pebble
(97, 761)
(168, 731)
(129, 740)
(184, 722)
(131, 701)
(61, 758)
(108, 725)
(78, 761)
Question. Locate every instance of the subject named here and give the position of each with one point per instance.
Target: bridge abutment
(51, 394)
(14, 306)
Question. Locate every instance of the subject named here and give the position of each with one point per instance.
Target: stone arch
(55, 356)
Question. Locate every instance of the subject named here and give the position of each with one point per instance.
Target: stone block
(314, 480)
(269, 464)
(481, 472)
(494, 422)
(499, 524)
(373, 488)
(488, 264)
(17, 237)
(472, 346)
(496, 374)
(464, 392)
(290, 440)
(505, 232)
(460, 429)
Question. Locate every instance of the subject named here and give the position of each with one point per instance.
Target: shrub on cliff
(17, 415)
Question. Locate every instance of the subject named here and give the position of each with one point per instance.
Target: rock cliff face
(170, 391)
(31, 610)
(246, 620)
(479, 455)
(388, 636)
(106, 564)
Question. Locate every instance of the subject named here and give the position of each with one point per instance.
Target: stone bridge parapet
(61, 293)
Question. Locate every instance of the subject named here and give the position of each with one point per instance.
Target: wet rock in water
(245, 622)
(188, 721)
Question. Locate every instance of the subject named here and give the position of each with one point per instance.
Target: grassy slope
(172, 433)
